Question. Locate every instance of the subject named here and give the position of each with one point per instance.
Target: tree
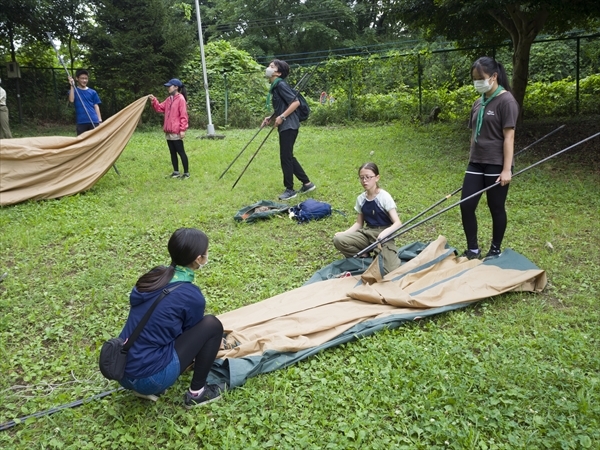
(268, 27)
(305, 27)
(139, 44)
(485, 22)
(16, 26)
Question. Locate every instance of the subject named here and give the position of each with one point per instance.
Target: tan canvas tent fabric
(309, 316)
(55, 166)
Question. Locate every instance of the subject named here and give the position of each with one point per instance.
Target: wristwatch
(282, 117)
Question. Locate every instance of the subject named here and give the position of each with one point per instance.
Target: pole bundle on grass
(404, 230)
(12, 423)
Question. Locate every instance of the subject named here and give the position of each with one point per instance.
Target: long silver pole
(211, 128)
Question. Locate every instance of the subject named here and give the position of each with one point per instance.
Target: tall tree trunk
(523, 27)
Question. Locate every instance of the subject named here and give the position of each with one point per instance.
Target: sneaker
(307, 188)
(151, 397)
(210, 393)
(175, 174)
(471, 255)
(185, 175)
(494, 251)
(288, 194)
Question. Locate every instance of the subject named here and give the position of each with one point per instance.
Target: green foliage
(231, 73)
(266, 28)
(519, 371)
(547, 61)
(558, 99)
(137, 45)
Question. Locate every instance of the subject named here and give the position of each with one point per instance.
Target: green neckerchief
(484, 103)
(273, 84)
(183, 274)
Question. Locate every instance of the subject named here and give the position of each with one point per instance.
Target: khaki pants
(352, 243)
(4, 128)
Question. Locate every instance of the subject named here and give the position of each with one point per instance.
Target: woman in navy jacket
(177, 333)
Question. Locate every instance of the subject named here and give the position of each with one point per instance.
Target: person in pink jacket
(176, 122)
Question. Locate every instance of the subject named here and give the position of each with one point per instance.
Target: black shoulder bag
(113, 354)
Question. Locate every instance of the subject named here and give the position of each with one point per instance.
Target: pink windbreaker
(175, 109)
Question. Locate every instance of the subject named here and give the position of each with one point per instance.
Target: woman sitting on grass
(177, 333)
(377, 218)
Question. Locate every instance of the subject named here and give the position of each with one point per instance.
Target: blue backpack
(310, 209)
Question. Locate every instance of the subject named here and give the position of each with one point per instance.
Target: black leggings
(200, 344)
(176, 147)
(477, 177)
(289, 164)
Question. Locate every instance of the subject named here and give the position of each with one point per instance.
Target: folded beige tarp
(55, 166)
(314, 314)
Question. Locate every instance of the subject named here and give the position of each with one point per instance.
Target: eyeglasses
(366, 177)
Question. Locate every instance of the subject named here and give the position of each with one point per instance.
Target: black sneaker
(307, 188)
(185, 175)
(471, 255)
(175, 174)
(288, 194)
(494, 251)
(210, 393)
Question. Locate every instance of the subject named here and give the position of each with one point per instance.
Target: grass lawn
(517, 371)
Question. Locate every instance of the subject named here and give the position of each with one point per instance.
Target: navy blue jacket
(177, 312)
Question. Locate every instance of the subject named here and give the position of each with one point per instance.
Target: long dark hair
(184, 246)
(487, 65)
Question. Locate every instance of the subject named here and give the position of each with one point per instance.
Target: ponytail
(156, 279)
(183, 91)
(503, 78)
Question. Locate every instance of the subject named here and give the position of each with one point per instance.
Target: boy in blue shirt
(86, 101)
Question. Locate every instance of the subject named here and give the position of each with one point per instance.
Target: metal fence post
(419, 74)
(350, 92)
(226, 95)
(577, 77)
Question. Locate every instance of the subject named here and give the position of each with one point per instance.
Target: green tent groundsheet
(287, 328)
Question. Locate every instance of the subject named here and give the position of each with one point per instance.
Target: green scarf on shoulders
(183, 274)
(484, 103)
(273, 84)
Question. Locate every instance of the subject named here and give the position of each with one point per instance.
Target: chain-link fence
(564, 79)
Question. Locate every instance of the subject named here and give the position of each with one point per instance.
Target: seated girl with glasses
(377, 218)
